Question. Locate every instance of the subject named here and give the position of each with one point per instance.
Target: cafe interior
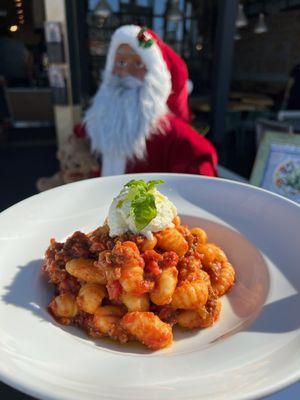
(242, 58)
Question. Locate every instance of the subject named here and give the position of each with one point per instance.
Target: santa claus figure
(138, 120)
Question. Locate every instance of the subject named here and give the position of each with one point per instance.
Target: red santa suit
(179, 148)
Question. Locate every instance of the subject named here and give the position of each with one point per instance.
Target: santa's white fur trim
(151, 56)
(120, 120)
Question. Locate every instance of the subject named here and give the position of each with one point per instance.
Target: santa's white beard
(125, 112)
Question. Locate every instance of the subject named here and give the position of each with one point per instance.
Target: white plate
(252, 351)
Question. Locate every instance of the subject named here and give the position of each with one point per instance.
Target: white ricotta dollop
(120, 220)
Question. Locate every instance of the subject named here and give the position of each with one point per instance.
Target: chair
(268, 125)
(291, 118)
(30, 107)
(228, 174)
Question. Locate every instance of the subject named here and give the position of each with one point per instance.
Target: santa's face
(128, 108)
(128, 63)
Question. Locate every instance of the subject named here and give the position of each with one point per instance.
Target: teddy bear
(76, 163)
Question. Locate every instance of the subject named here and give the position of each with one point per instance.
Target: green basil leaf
(140, 184)
(151, 184)
(120, 203)
(143, 209)
(133, 192)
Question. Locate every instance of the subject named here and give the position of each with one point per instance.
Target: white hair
(124, 113)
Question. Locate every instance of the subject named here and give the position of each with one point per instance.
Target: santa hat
(161, 62)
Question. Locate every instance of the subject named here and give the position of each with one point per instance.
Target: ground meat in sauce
(103, 250)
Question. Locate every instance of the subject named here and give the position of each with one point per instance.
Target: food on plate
(139, 274)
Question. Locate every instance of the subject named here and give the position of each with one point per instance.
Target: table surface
(238, 102)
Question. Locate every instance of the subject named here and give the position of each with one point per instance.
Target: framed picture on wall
(277, 165)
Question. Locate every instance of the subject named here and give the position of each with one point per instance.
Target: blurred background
(243, 59)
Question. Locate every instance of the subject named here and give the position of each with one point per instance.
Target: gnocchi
(85, 270)
(90, 297)
(203, 317)
(164, 287)
(216, 264)
(63, 307)
(170, 239)
(148, 329)
(190, 295)
(106, 317)
(136, 303)
(132, 268)
(136, 288)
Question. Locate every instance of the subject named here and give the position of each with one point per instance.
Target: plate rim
(17, 384)
(192, 176)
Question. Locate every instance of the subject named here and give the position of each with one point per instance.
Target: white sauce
(120, 221)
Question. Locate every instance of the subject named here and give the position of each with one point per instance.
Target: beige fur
(76, 163)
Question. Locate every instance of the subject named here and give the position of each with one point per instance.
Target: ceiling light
(20, 11)
(18, 4)
(199, 44)
(241, 19)
(13, 28)
(261, 26)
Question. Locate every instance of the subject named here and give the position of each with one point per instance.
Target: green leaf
(133, 192)
(120, 203)
(141, 184)
(143, 209)
(146, 44)
(151, 184)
